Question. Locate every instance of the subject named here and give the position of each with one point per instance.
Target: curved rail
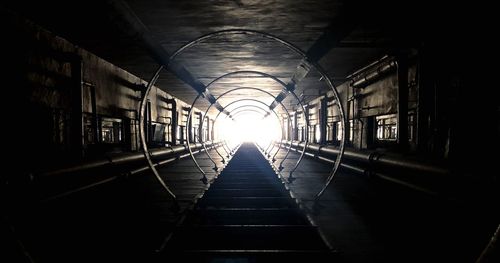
(147, 155)
(237, 111)
(258, 101)
(284, 85)
(203, 38)
(269, 94)
(188, 138)
(279, 40)
(246, 72)
(204, 146)
(265, 115)
(277, 117)
(344, 125)
(243, 111)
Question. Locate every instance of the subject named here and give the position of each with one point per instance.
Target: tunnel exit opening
(204, 92)
(250, 126)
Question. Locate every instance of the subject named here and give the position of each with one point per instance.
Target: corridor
(249, 131)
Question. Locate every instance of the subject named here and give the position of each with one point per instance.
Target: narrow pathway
(247, 215)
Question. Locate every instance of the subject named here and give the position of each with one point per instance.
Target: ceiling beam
(340, 27)
(125, 18)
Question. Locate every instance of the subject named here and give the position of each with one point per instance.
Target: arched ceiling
(341, 35)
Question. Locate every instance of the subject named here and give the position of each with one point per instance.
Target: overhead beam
(339, 28)
(125, 18)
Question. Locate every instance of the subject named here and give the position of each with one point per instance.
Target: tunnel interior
(249, 131)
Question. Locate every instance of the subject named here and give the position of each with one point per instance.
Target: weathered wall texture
(377, 98)
(40, 80)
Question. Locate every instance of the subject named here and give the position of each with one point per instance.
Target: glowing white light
(249, 127)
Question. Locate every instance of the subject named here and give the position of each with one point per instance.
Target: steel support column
(95, 121)
(76, 132)
(174, 121)
(425, 98)
(402, 115)
(200, 127)
(323, 119)
(208, 128)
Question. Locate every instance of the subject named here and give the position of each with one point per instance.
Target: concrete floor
(369, 220)
(365, 219)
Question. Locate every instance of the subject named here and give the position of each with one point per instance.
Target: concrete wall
(39, 80)
(377, 98)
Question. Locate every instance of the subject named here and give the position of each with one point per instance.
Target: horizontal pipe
(363, 171)
(367, 67)
(372, 76)
(365, 161)
(121, 159)
(374, 158)
(132, 172)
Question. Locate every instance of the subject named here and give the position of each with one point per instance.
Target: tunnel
(249, 131)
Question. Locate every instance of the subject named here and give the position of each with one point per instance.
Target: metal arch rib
(342, 142)
(188, 123)
(312, 63)
(280, 167)
(264, 116)
(289, 121)
(271, 95)
(258, 101)
(284, 87)
(143, 137)
(248, 99)
(235, 32)
(246, 110)
(234, 112)
(290, 46)
(250, 110)
(282, 83)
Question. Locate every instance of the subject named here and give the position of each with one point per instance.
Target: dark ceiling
(374, 29)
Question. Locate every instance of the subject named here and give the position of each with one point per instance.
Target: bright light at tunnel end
(250, 127)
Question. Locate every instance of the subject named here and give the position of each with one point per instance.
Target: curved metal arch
(247, 105)
(344, 125)
(271, 95)
(190, 114)
(241, 100)
(247, 110)
(306, 118)
(202, 39)
(188, 139)
(203, 144)
(280, 143)
(239, 72)
(273, 159)
(255, 100)
(304, 56)
(279, 40)
(277, 117)
(249, 99)
(147, 155)
(250, 106)
(280, 167)
(240, 112)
